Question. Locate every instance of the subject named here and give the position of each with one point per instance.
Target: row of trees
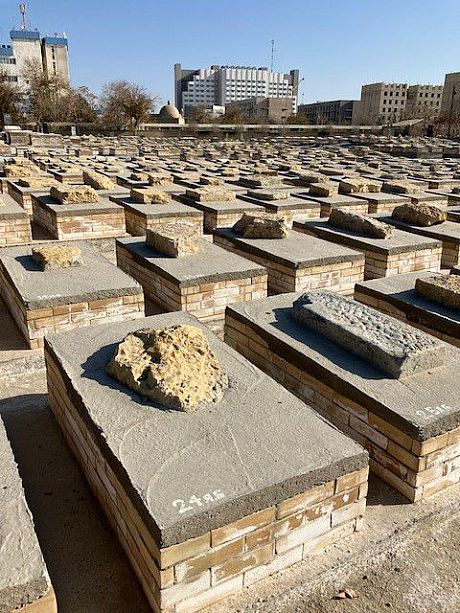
(47, 99)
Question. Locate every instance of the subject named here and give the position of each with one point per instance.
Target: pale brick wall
(339, 276)
(207, 301)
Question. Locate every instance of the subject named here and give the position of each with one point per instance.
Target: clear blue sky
(336, 44)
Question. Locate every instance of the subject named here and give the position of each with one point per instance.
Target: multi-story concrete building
(334, 112)
(381, 103)
(258, 109)
(423, 101)
(451, 94)
(49, 53)
(221, 85)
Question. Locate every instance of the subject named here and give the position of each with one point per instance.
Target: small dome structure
(169, 111)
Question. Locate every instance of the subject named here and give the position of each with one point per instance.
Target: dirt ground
(406, 559)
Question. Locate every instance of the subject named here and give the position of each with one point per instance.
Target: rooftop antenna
(272, 55)
(23, 10)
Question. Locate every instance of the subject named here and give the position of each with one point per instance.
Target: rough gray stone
(361, 224)
(360, 185)
(251, 226)
(422, 215)
(390, 345)
(444, 289)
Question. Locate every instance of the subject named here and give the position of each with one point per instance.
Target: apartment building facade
(222, 85)
(333, 112)
(423, 101)
(381, 103)
(49, 53)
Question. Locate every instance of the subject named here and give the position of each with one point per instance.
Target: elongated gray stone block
(388, 344)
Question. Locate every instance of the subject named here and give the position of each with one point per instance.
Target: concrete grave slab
(447, 232)
(141, 217)
(297, 261)
(290, 208)
(24, 581)
(190, 496)
(14, 223)
(410, 426)
(203, 283)
(400, 253)
(102, 219)
(60, 300)
(350, 203)
(397, 296)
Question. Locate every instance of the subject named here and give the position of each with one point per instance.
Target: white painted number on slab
(428, 412)
(195, 502)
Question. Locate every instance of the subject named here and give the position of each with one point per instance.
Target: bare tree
(44, 95)
(10, 97)
(125, 105)
(78, 105)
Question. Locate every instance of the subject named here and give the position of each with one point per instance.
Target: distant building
(257, 109)
(221, 85)
(451, 93)
(334, 112)
(381, 103)
(168, 114)
(49, 53)
(423, 101)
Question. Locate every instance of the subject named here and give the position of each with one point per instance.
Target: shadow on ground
(88, 568)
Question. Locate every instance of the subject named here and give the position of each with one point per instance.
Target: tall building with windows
(333, 112)
(382, 103)
(221, 85)
(423, 101)
(49, 53)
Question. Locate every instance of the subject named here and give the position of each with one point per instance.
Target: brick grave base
(382, 304)
(417, 469)
(203, 570)
(378, 265)
(338, 276)
(84, 225)
(137, 224)
(14, 226)
(207, 301)
(36, 324)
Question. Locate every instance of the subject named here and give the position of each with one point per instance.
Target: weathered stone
(401, 186)
(51, 257)
(160, 178)
(326, 190)
(250, 226)
(390, 345)
(206, 180)
(139, 176)
(352, 185)
(422, 215)
(80, 194)
(174, 239)
(211, 194)
(38, 182)
(361, 224)
(16, 170)
(269, 194)
(173, 366)
(97, 180)
(444, 289)
(307, 176)
(150, 195)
